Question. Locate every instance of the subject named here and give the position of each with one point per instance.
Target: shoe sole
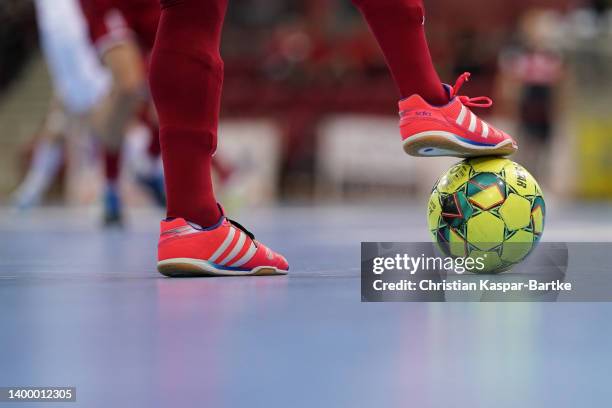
(189, 267)
(440, 143)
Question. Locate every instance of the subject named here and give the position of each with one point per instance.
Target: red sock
(398, 26)
(186, 80)
(154, 148)
(112, 161)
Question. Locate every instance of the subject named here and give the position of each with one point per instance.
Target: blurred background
(307, 91)
(309, 123)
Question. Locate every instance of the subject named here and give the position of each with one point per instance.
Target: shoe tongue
(449, 91)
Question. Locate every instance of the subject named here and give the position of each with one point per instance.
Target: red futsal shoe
(452, 129)
(225, 249)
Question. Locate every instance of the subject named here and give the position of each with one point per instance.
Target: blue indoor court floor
(82, 306)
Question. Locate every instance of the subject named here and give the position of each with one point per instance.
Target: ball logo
(521, 178)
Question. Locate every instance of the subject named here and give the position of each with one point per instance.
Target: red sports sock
(398, 26)
(154, 148)
(112, 162)
(186, 80)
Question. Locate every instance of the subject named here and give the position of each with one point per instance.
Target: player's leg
(113, 212)
(398, 26)
(46, 158)
(111, 34)
(110, 120)
(129, 91)
(148, 167)
(116, 42)
(186, 79)
(111, 117)
(435, 121)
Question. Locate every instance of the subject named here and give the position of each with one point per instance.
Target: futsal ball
(489, 209)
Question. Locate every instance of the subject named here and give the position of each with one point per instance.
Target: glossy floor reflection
(84, 307)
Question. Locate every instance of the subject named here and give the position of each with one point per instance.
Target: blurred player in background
(186, 82)
(530, 77)
(124, 52)
(79, 84)
(82, 90)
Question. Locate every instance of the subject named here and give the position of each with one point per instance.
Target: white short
(79, 78)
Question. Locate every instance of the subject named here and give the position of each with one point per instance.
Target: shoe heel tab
(413, 101)
(169, 224)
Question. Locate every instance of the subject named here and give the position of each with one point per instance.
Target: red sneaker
(225, 249)
(452, 129)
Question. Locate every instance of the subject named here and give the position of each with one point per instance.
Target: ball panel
(454, 179)
(538, 213)
(482, 180)
(489, 197)
(517, 247)
(485, 231)
(455, 209)
(457, 244)
(434, 211)
(486, 190)
(442, 236)
(516, 212)
(489, 164)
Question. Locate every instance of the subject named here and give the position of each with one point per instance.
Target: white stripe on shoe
(461, 115)
(226, 242)
(246, 257)
(472, 122)
(485, 129)
(235, 250)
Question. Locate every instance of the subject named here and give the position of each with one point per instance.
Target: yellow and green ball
(487, 207)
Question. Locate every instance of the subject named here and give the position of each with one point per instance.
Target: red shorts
(112, 22)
